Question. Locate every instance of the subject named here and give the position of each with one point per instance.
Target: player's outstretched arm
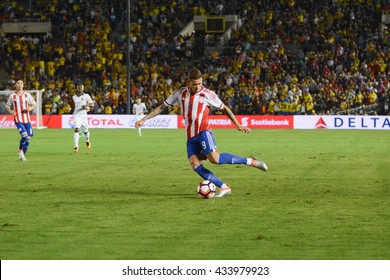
(231, 116)
(156, 111)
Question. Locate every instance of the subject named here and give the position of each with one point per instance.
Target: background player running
(82, 105)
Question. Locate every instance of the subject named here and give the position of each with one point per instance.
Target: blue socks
(24, 143)
(226, 158)
(208, 175)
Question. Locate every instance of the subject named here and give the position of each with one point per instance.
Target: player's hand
(139, 123)
(244, 129)
(84, 107)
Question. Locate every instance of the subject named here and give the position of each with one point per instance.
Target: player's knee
(213, 159)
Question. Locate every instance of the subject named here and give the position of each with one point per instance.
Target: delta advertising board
(122, 121)
(342, 122)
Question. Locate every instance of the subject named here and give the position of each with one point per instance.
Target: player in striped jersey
(19, 104)
(196, 101)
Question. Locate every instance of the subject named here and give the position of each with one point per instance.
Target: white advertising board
(122, 121)
(341, 122)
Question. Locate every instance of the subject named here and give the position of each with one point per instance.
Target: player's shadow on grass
(137, 193)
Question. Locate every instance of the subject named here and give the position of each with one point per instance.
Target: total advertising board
(122, 121)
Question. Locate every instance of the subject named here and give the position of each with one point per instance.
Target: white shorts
(139, 117)
(79, 122)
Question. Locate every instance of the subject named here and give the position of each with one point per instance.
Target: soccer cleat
(76, 149)
(259, 164)
(224, 192)
(21, 155)
(88, 145)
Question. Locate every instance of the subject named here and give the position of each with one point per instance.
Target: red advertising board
(252, 121)
(49, 121)
(52, 121)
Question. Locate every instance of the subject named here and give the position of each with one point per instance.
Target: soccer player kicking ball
(196, 101)
(82, 105)
(19, 104)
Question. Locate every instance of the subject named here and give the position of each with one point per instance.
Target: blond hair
(195, 74)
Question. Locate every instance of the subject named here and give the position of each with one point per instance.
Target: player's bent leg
(196, 157)
(226, 158)
(213, 157)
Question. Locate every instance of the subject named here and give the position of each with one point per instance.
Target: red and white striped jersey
(19, 104)
(195, 108)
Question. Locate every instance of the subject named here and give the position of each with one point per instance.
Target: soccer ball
(206, 189)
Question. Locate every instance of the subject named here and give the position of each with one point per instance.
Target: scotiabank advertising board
(342, 122)
(122, 121)
(269, 122)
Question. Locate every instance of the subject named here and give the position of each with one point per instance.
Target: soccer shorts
(202, 144)
(25, 128)
(80, 122)
(139, 117)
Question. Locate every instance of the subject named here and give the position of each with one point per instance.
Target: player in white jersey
(19, 104)
(82, 105)
(139, 110)
(196, 101)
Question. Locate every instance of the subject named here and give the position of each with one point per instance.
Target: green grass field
(326, 196)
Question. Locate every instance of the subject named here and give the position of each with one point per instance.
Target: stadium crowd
(288, 57)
